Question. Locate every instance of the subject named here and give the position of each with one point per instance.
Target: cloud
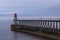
(29, 7)
(28, 3)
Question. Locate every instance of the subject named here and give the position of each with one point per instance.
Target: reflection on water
(22, 36)
(7, 34)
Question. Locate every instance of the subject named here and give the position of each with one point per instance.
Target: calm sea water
(7, 34)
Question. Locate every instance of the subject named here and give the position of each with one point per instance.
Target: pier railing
(54, 24)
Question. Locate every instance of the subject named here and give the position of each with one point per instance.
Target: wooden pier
(49, 29)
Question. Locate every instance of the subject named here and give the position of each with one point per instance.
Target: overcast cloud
(25, 8)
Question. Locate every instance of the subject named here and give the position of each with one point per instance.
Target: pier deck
(47, 28)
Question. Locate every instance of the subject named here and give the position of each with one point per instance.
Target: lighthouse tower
(15, 18)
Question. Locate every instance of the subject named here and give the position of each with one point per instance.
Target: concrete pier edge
(37, 33)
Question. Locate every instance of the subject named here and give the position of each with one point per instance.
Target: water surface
(7, 34)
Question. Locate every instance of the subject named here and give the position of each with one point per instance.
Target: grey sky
(30, 7)
(28, 3)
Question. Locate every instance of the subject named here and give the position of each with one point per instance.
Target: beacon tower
(15, 18)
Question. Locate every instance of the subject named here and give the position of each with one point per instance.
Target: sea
(7, 34)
